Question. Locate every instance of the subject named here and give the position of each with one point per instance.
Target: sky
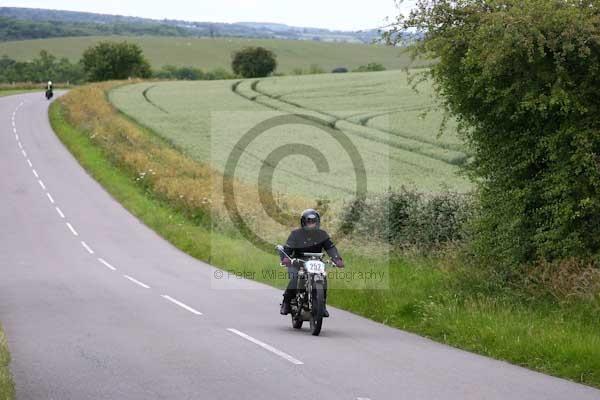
(331, 14)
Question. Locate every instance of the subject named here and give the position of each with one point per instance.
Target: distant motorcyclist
(309, 238)
(49, 90)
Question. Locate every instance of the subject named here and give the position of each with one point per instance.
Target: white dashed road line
(137, 282)
(130, 278)
(267, 347)
(85, 246)
(106, 264)
(59, 211)
(73, 231)
(180, 304)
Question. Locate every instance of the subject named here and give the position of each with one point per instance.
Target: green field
(206, 119)
(379, 100)
(209, 53)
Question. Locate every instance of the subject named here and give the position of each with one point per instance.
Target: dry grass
(568, 280)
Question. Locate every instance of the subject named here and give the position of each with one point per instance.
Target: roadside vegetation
(434, 296)
(9, 92)
(520, 78)
(7, 389)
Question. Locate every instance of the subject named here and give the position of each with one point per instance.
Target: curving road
(97, 306)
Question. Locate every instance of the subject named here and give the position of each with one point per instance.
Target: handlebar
(329, 261)
(319, 255)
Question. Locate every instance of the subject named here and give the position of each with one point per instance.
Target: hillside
(207, 53)
(31, 23)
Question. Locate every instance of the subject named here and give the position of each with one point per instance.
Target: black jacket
(309, 241)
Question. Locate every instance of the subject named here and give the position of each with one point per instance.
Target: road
(97, 306)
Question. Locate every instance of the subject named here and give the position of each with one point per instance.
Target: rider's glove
(286, 262)
(338, 262)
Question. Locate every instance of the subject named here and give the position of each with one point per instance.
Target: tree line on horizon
(110, 60)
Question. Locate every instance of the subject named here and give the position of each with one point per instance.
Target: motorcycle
(309, 304)
(49, 94)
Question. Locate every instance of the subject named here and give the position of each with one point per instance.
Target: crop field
(385, 99)
(206, 119)
(302, 162)
(209, 53)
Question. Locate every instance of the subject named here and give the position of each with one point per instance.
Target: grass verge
(10, 92)
(7, 389)
(421, 297)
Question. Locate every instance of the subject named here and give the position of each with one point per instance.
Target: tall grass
(424, 295)
(7, 389)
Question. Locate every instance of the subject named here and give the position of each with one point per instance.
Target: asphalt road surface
(98, 306)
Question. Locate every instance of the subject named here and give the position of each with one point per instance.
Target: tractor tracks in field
(145, 94)
(446, 154)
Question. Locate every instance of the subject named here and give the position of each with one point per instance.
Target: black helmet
(310, 215)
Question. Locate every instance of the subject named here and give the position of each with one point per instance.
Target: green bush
(180, 73)
(312, 70)
(315, 69)
(521, 77)
(218, 73)
(370, 67)
(408, 219)
(253, 62)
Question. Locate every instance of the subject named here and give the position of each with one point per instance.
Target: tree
(522, 77)
(113, 60)
(253, 62)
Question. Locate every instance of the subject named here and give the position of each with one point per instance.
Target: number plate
(315, 267)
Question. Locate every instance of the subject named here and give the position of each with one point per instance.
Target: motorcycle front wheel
(318, 309)
(297, 323)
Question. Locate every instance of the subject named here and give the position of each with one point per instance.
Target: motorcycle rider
(309, 238)
(49, 89)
